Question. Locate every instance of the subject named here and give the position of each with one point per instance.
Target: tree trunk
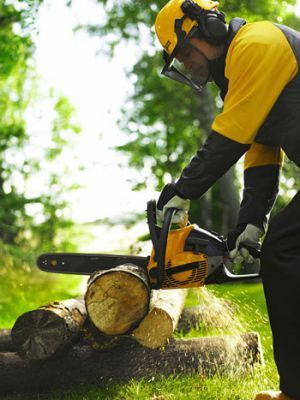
(118, 299)
(45, 332)
(158, 326)
(230, 201)
(203, 356)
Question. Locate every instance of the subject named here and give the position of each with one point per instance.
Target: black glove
(244, 243)
(170, 198)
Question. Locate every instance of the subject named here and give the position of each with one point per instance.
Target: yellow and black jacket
(259, 80)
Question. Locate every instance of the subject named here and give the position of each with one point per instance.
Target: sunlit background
(73, 62)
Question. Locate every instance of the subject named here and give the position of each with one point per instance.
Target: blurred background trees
(25, 217)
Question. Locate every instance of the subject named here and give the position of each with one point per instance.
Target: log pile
(120, 330)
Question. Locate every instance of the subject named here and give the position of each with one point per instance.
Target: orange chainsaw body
(183, 269)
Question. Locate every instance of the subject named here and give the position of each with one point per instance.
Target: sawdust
(218, 313)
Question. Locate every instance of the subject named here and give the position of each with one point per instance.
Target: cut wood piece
(201, 356)
(43, 333)
(6, 343)
(118, 299)
(159, 324)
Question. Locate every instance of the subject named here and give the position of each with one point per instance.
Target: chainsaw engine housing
(187, 257)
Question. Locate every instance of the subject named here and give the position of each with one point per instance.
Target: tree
(19, 88)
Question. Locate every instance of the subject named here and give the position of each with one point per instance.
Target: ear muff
(214, 28)
(211, 23)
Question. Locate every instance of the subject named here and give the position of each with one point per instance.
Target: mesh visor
(189, 66)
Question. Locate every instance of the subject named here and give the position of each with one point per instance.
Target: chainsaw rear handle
(159, 238)
(255, 253)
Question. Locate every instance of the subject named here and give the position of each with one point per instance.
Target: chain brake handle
(159, 238)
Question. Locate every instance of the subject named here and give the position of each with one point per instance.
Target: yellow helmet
(173, 11)
(177, 22)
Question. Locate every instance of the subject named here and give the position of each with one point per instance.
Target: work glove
(170, 198)
(241, 240)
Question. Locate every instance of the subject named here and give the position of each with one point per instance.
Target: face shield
(189, 65)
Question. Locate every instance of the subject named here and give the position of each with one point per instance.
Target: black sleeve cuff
(212, 161)
(260, 191)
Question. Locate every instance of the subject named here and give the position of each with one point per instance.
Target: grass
(22, 288)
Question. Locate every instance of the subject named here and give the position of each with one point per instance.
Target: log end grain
(117, 301)
(38, 334)
(155, 330)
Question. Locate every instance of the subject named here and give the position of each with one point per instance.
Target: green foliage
(156, 136)
(18, 90)
(24, 288)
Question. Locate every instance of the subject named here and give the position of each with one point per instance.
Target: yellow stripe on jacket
(259, 155)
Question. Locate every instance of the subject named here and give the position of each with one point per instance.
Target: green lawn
(23, 288)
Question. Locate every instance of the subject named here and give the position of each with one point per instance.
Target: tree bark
(91, 336)
(230, 200)
(6, 344)
(45, 332)
(159, 324)
(118, 299)
(203, 356)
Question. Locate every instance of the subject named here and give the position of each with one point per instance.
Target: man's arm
(212, 161)
(261, 176)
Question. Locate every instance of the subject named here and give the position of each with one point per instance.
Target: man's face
(193, 63)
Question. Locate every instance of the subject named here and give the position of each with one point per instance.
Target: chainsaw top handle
(159, 238)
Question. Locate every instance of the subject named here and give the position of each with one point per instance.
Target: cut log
(6, 344)
(118, 299)
(159, 324)
(45, 332)
(202, 356)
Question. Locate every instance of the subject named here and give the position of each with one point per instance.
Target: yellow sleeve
(259, 64)
(259, 155)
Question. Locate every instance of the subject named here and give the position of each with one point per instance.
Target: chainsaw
(184, 257)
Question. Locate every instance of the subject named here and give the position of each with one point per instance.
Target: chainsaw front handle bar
(159, 238)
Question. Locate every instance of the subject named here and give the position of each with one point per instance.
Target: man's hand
(240, 242)
(170, 198)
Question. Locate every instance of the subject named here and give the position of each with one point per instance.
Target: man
(256, 67)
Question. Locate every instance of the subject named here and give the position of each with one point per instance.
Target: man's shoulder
(257, 41)
(264, 33)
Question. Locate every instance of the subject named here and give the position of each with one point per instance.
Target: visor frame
(171, 72)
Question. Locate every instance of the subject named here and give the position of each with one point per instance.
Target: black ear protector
(211, 23)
